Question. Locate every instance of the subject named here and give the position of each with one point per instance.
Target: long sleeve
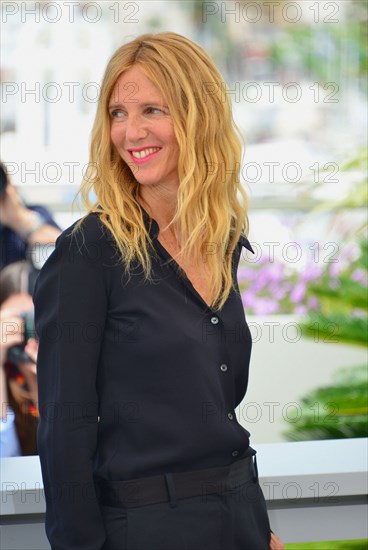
(162, 370)
(70, 301)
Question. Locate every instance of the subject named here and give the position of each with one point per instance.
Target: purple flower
(248, 299)
(260, 282)
(277, 291)
(334, 269)
(297, 294)
(265, 306)
(312, 302)
(246, 273)
(300, 309)
(273, 288)
(311, 273)
(277, 272)
(351, 252)
(360, 276)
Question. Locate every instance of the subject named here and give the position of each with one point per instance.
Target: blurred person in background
(146, 359)
(21, 226)
(18, 355)
(26, 233)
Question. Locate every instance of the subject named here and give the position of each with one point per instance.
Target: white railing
(315, 490)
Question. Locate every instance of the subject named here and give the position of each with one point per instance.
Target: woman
(144, 348)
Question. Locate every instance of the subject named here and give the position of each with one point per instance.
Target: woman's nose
(135, 129)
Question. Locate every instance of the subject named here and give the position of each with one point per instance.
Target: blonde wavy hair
(209, 216)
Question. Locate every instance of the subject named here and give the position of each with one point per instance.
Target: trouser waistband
(171, 487)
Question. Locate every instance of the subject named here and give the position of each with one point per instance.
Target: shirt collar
(153, 229)
(244, 242)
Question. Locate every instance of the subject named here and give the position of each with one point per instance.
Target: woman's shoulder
(87, 231)
(86, 242)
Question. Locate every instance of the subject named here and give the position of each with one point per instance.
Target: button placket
(225, 368)
(228, 380)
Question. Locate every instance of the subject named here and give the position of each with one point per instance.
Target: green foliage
(358, 196)
(340, 409)
(336, 328)
(336, 411)
(329, 545)
(319, 53)
(342, 315)
(359, 162)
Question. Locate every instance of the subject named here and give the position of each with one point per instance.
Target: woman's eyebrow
(154, 104)
(115, 106)
(150, 104)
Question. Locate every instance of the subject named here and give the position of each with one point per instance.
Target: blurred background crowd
(26, 230)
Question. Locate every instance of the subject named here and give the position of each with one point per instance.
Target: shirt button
(223, 368)
(214, 320)
(235, 453)
(230, 416)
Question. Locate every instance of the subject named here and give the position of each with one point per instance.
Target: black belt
(178, 485)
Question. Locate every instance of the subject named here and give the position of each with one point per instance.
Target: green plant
(336, 411)
(361, 544)
(343, 306)
(340, 409)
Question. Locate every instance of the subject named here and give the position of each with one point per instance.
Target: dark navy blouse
(135, 379)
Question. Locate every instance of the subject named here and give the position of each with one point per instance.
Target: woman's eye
(116, 114)
(154, 110)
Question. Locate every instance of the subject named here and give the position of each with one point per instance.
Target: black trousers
(228, 511)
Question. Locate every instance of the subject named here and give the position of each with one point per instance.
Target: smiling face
(142, 129)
